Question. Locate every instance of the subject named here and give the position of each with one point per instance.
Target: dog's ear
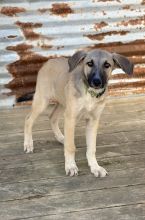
(75, 59)
(124, 63)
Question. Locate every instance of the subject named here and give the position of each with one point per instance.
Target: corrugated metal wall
(32, 31)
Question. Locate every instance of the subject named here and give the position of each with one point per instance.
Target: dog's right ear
(124, 63)
(75, 59)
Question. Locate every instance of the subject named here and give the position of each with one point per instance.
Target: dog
(79, 84)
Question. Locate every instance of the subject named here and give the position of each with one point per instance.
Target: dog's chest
(87, 103)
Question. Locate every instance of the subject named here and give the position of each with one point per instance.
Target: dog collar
(94, 93)
(91, 91)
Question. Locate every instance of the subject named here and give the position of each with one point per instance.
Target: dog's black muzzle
(95, 81)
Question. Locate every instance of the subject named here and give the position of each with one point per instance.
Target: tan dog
(79, 84)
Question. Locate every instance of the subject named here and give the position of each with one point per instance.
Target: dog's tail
(26, 97)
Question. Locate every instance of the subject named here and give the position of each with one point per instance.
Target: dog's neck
(93, 92)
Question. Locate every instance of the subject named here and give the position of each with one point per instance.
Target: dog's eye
(90, 63)
(107, 65)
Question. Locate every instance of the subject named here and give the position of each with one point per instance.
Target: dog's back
(52, 79)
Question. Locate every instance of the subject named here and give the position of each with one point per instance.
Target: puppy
(79, 85)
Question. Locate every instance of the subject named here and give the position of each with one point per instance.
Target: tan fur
(67, 88)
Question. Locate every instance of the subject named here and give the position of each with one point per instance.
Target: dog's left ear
(124, 63)
(75, 59)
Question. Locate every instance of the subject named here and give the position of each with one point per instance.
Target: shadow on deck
(34, 186)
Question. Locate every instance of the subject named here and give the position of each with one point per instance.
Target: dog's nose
(97, 82)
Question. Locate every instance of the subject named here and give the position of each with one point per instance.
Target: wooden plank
(14, 145)
(124, 212)
(108, 138)
(107, 124)
(133, 118)
(34, 186)
(56, 155)
(44, 169)
(71, 202)
(47, 187)
(123, 100)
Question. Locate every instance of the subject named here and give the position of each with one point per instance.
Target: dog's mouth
(96, 92)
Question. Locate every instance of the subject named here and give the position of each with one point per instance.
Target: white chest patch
(87, 103)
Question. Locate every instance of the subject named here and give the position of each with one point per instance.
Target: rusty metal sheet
(34, 31)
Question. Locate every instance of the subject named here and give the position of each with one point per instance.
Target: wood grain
(34, 186)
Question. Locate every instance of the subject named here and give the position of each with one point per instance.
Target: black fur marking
(26, 97)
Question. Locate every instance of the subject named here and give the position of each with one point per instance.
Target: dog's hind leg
(38, 106)
(54, 120)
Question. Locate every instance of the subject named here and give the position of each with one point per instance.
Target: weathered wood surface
(34, 186)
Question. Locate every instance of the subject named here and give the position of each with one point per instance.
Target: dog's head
(98, 65)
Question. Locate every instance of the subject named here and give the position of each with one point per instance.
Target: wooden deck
(34, 186)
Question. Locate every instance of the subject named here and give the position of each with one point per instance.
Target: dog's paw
(28, 146)
(98, 171)
(71, 169)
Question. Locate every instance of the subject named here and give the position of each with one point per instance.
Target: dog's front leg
(91, 133)
(69, 145)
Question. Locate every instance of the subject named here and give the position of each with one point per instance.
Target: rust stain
(28, 24)
(126, 7)
(133, 48)
(138, 21)
(139, 72)
(60, 47)
(127, 91)
(124, 85)
(61, 9)
(46, 46)
(100, 25)
(101, 36)
(107, 0)
(24, 70)
(12, 36)
(21, 49)
(137, 59)
(43, 10)
(27, 29)
(104, 13)
(95, 36)
(11, 11)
